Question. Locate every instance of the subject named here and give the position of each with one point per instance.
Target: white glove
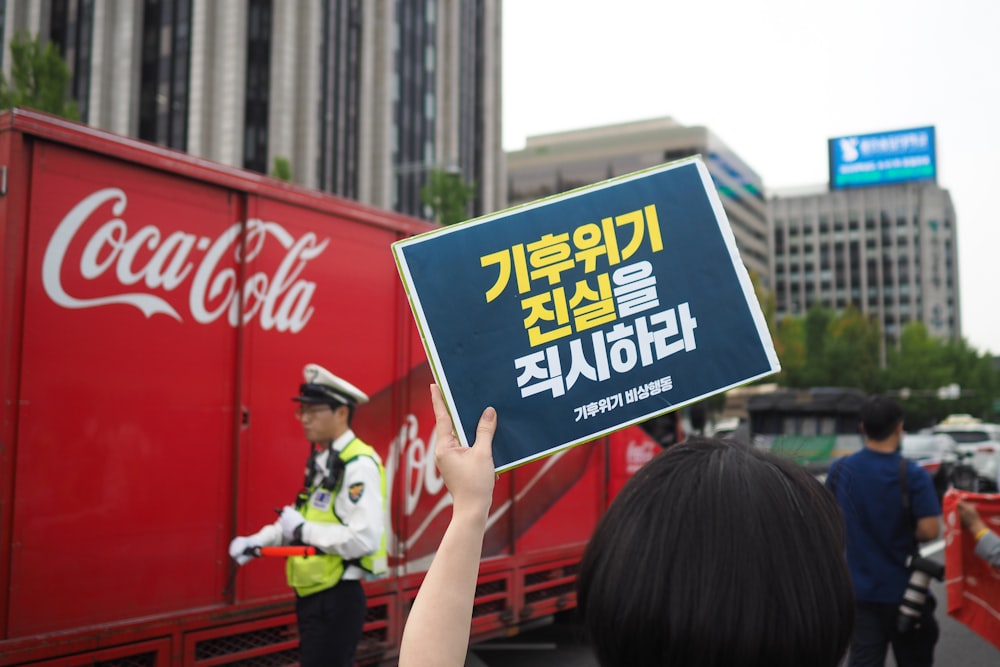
(290, 520)
(238, 546)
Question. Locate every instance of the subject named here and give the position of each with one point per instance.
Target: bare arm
(969, 516)
(928, 528)
(988, 548)
(987, 542)
(437, 629)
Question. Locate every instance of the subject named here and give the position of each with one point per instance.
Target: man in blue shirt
(889, 506)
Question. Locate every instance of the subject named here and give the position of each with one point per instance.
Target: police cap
(322, 386)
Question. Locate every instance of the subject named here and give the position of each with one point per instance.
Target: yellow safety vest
(312, 574)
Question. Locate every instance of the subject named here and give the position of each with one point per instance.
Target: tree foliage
(281, 169)
(39, 79)
(448, 195)
(851, 350)
(823, 348)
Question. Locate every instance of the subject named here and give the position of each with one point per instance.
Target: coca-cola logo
(142, 263)
(421, 480)
(638, 454)
(417, 457)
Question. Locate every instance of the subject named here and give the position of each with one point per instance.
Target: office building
(553, 163)
(362, 97)
(882, 237)
(889, 250)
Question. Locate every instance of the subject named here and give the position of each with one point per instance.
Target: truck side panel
(15, 161)
(325, 292)
(158, 310)
(125, 417)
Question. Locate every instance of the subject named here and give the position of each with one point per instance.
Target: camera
(912, 606)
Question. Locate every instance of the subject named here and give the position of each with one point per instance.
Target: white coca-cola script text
(281, 301)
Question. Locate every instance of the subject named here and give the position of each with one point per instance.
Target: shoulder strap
(904, 485)
(311, 469)
(910, 522)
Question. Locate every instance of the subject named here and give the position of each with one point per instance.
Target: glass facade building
(363, 98)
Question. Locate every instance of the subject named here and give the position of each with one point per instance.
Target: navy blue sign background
(473, 344)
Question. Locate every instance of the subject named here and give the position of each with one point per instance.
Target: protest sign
(582, 313)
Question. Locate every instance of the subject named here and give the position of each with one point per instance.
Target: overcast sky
(774, 79)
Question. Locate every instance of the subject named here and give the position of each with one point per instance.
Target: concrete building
(890, 250)
(558, 162)
(362, 97)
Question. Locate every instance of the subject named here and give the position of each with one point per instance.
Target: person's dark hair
(718, 554)
(880, 415)
(350, 409)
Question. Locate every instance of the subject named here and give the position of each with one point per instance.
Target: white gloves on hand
(290, 520)
(237, 548)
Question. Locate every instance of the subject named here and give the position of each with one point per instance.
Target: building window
(472, 93)
(340, 97)
(71, 25)
(164, 69)
(415, 26)
(258, 85)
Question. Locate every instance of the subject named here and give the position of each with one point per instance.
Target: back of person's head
(718, 554)
(880, 415)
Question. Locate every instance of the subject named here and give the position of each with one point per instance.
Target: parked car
(937, 453)
(930, 449)
(979, 442)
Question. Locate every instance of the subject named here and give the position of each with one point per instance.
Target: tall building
(362, 97)
(554, 163)
(889, 250)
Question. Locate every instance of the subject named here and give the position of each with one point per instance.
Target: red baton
(285, 552)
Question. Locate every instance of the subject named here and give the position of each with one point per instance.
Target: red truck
(157, 310)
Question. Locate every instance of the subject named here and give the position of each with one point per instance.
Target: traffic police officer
(339, 512)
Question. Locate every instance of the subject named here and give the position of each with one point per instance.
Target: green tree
(918, 363)
(816, 329)
(769, 308)
(850, 352)
(39, 78)
(922, 365)
(827, 349)
(447, 195)
(977, 377)
(281, 169)
(824, 349)
(791, 349)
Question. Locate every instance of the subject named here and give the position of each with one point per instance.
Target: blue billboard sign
(579, 314)
(883, 158)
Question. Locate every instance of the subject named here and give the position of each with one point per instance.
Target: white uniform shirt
(363, 523)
